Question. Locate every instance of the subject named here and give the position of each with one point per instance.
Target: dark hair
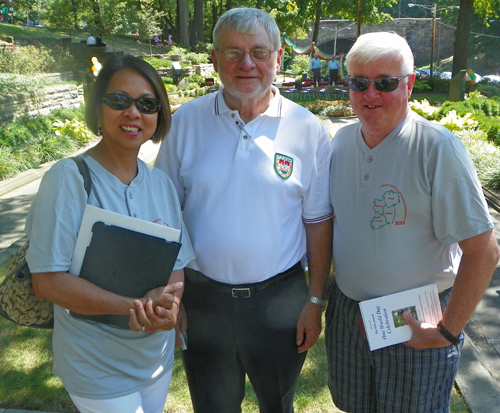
(110, 68)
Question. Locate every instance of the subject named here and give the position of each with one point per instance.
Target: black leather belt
(247, 290)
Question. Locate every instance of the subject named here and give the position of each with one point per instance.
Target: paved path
(479, 374)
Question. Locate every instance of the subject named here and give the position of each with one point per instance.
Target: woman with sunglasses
(106, 368)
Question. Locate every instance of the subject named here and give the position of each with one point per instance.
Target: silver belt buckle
(241, 292)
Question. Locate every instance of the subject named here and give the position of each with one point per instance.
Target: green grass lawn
(26, 381)
(7, 29)
(126, 43)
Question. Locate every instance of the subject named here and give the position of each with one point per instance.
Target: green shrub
(462, 108)
(493, 132)
(197, 58)
(300, 63)
(30, 141)
(490, 107)
(421, 86)
(440, 85)
(67, 114)
(157, 63)
(424, 109)
(177, 50)
(26, 60)
(196, 79)
(73, 129)
(32, 85)
(485, 157)
(489, 88)
(186, 84)
(168, 80)
(63, 59)
(201, 47)
(170, 88)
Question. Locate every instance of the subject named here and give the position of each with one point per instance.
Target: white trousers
(149, 400)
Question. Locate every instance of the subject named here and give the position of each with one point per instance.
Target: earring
(99, 131)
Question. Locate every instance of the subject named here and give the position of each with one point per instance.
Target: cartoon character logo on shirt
(386, 207)
(283, 165)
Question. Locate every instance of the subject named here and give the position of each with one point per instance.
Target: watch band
(447, 335)
(316, 300)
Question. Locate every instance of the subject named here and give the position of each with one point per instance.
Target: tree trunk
(198, 28)
(215, 17)
(182, 12)
(360, 16)
(462, 35)
(75, 15)
(317, 21)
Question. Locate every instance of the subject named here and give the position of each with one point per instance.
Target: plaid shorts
(389, 380)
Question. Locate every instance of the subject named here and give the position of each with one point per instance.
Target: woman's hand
(157, 310)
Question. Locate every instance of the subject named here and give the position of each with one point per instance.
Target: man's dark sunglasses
(388, 84)
(117, 101)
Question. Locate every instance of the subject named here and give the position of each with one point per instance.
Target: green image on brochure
(383, 324)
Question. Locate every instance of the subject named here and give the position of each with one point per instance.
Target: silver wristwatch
(317, 300)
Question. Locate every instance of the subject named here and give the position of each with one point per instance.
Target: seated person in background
(99, 42)
(91, 40)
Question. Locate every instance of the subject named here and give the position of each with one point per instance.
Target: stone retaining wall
(204, 70)
(54, 97)
(84, 53)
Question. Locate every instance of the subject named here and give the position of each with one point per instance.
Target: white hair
(247, 20)
(370, 47)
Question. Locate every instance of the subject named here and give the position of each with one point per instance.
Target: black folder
(127, 263)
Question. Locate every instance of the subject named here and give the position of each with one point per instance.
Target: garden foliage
(30, 141)
(477, 122)
(33, 59)
(335, 108)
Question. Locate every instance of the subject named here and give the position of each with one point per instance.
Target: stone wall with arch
(417, 32)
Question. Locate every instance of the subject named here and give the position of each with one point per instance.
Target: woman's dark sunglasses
(117, 101)
(388, 84)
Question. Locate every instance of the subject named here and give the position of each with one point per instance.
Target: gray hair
(247, 20)
(370, 47)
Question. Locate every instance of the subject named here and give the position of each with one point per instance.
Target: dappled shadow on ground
(12, 217)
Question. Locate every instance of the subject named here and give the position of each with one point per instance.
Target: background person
(333, 70)
(105, 368)
(251, 171)
(99, 42)
(91, 40)
(408, 211)
(5, 13)
(315, 68)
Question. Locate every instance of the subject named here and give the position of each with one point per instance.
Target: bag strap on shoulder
(84, 170)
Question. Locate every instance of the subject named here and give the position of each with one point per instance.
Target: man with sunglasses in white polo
(251, 169)
(408, 211)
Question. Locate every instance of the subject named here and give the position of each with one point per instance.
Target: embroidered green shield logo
(283, 165)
